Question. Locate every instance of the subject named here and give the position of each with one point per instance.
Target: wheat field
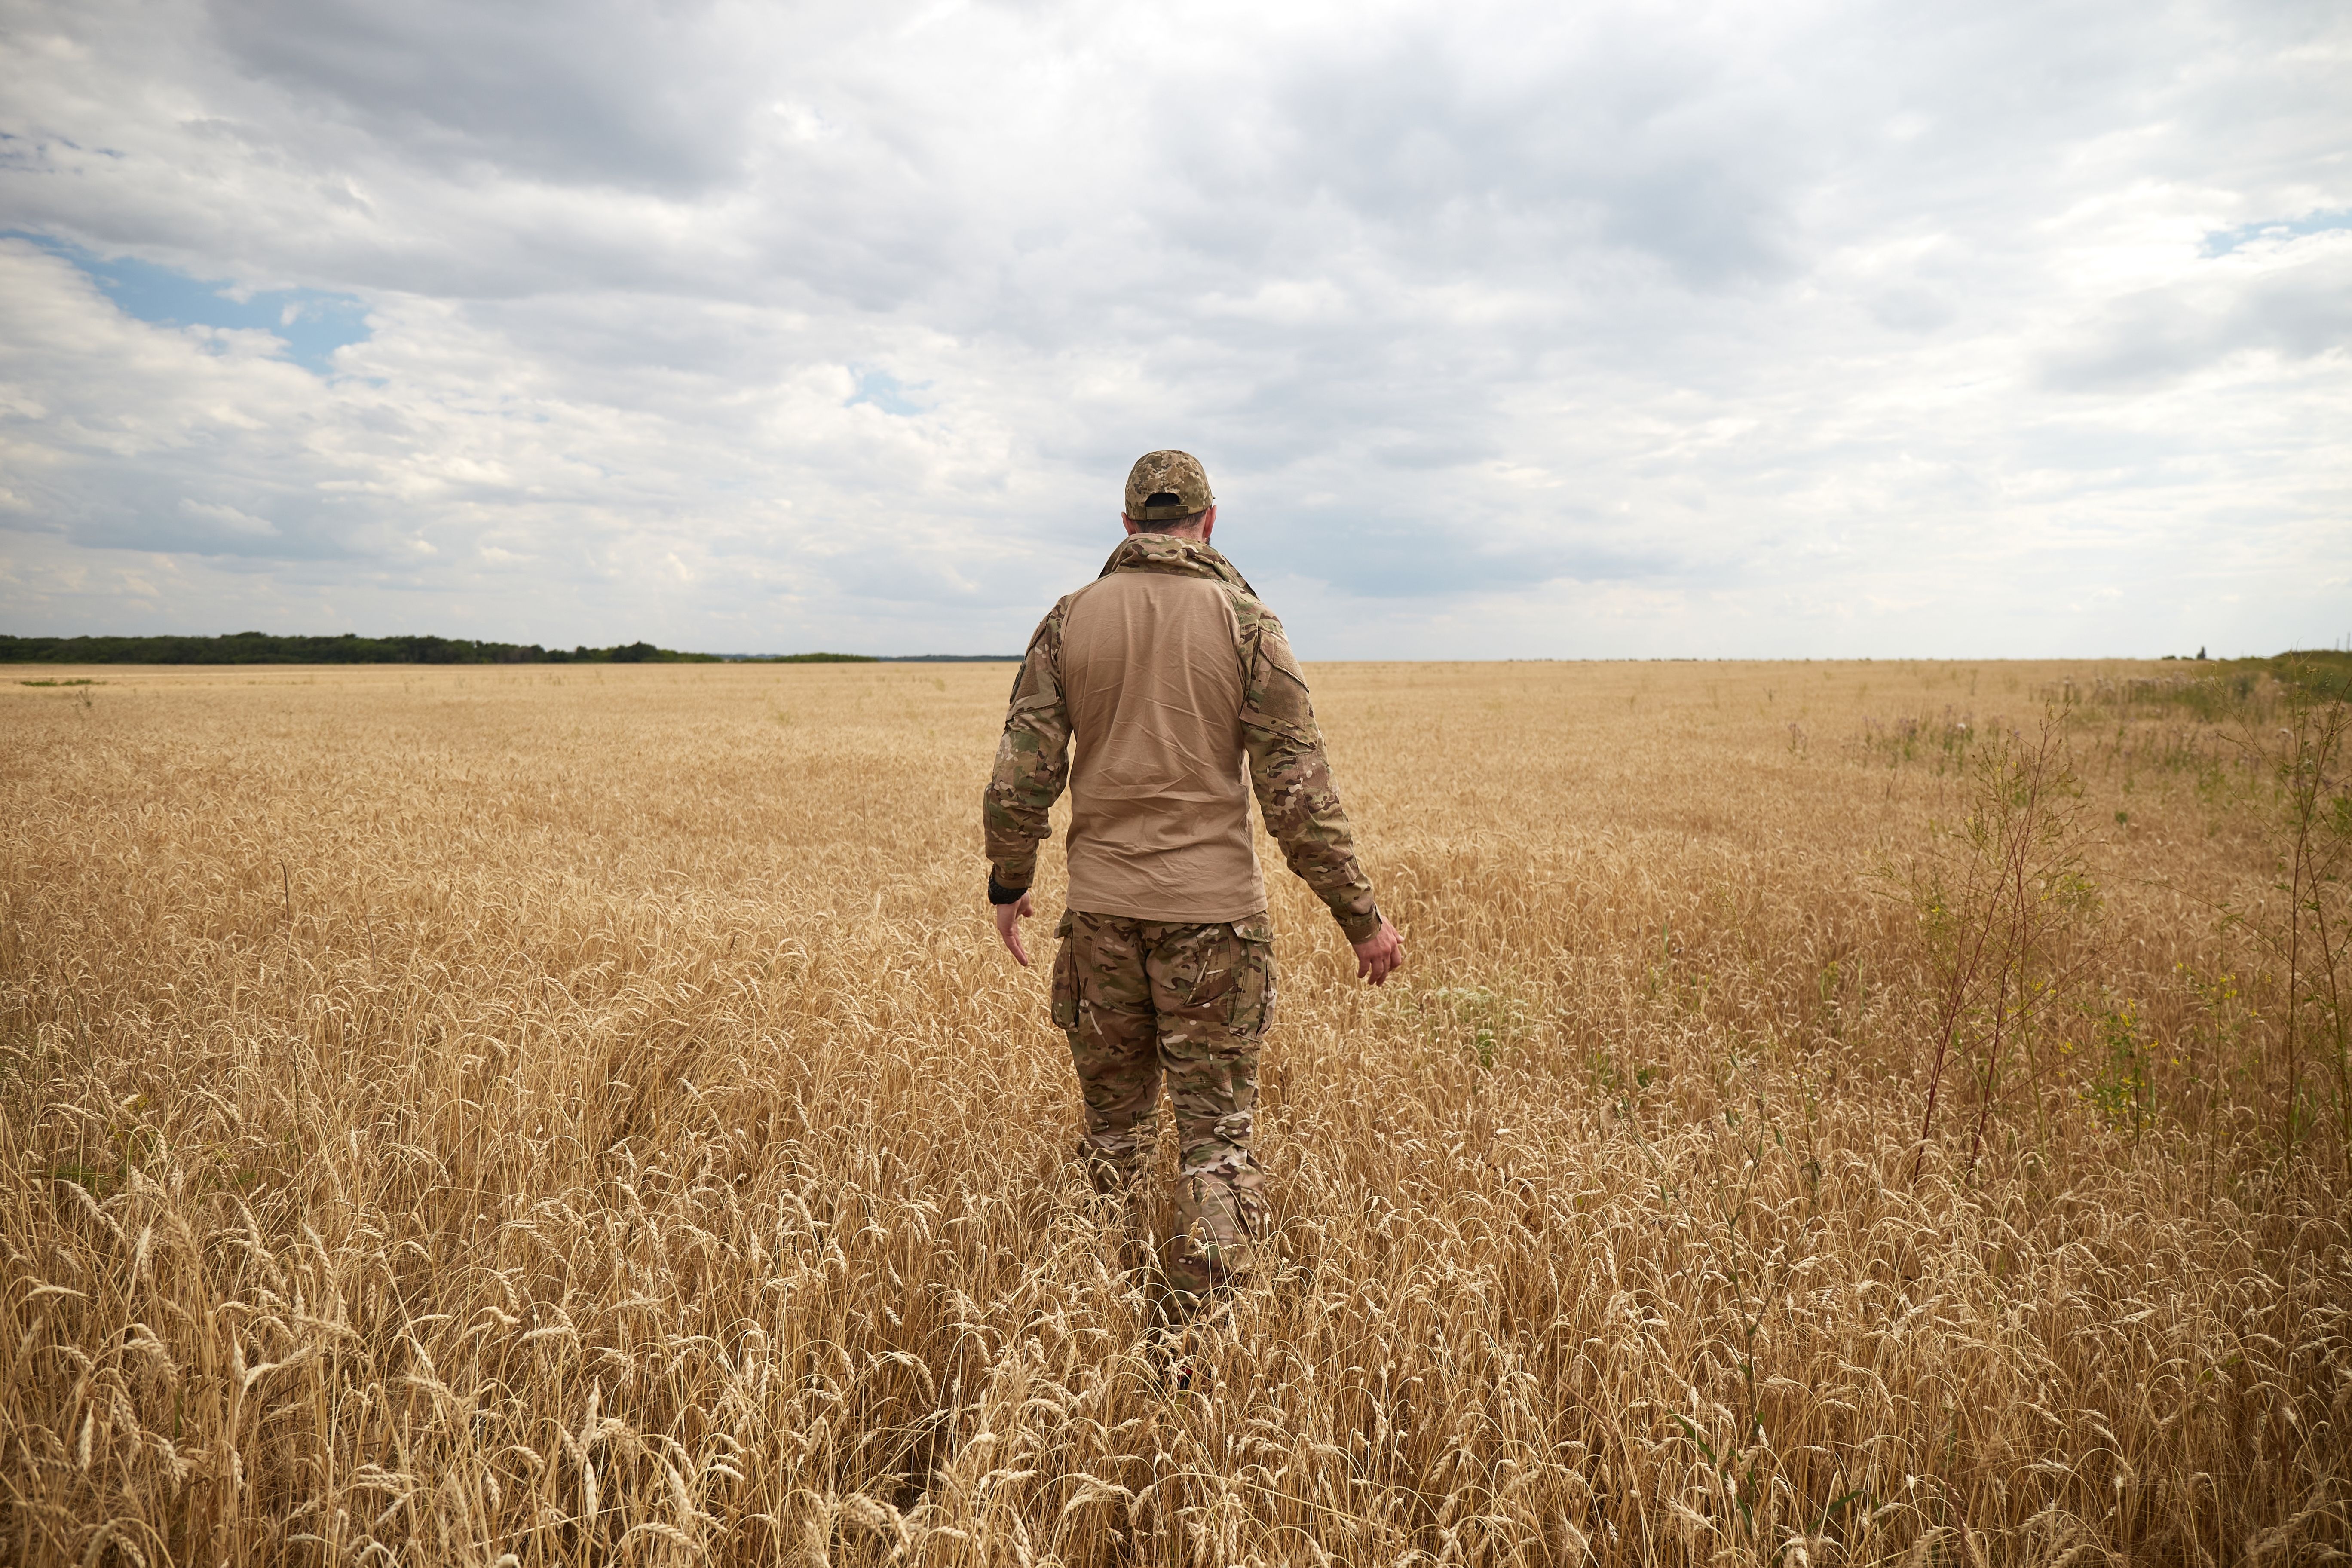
(581, 1114)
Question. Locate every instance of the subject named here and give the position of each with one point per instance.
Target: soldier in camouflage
(1171, 678)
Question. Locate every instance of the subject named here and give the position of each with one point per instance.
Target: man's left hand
(1008, 927)
(1376, 956)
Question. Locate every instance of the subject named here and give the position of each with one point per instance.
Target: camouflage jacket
(1292, 778)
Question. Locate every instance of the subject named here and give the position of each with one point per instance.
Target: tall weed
(2306, 929)
(2005, 904)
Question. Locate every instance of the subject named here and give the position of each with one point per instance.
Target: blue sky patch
(311, 322)
(2222, 241)
(883, 390)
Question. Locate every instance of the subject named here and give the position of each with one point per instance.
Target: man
(1171, 675)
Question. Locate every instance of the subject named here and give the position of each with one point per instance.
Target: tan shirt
(1168, 672)
(1160, 788)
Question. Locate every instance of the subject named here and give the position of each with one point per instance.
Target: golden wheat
(581, 1115)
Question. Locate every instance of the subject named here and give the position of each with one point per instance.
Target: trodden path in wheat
(582, 1116)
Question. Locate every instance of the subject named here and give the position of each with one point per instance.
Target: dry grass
(581, 1115)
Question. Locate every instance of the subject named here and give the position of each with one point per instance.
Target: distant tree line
(799, 658)
(261, 647)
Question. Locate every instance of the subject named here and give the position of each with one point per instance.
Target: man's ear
(1133, 528)
(1208, 524)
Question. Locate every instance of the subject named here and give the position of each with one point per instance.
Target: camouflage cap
(1164, 486)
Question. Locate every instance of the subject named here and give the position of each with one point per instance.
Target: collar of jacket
(1177, 557)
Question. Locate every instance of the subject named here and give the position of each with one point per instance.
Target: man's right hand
(1379, 953)
(1008, 926)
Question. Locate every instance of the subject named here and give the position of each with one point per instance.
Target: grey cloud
(1380, 555)
(188, 508)
(1418, 450)
(1469, 151)
(594, 93)
(895, 571)
(2161, 334)
(1913, 309)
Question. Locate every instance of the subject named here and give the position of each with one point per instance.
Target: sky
(1801, 329)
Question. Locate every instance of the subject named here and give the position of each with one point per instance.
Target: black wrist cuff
(998, 893)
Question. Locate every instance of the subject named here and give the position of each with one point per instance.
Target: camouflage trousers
(1144, 1002)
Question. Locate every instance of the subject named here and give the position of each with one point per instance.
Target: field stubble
(461, 1116)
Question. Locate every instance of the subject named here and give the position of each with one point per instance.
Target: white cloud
(1504, 328)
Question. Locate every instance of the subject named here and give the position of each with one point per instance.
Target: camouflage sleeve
(1293, 778)
(1032, 761)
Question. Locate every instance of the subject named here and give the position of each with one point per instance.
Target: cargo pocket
(1250, 1002)
(1064, 983)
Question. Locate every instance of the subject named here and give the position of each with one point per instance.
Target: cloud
(1502, 328)
(595, 93)
(2290, 301)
